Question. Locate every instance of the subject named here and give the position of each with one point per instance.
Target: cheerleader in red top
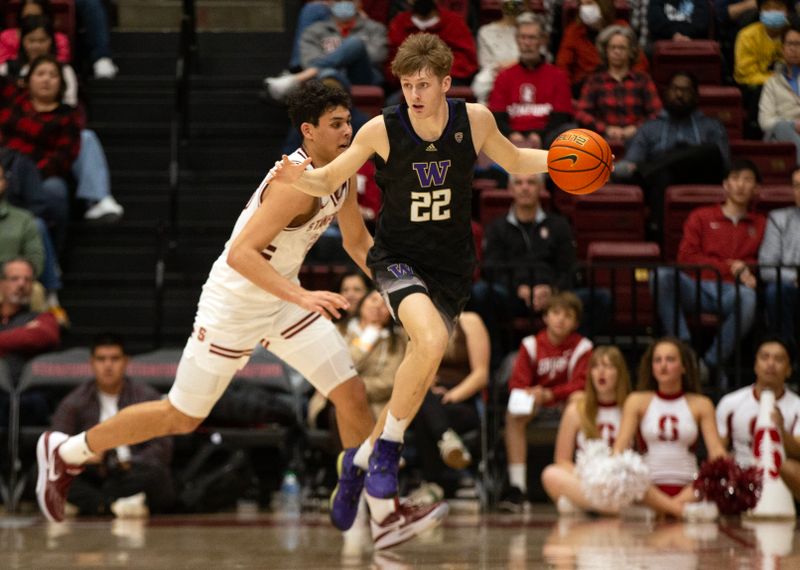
(593, 414)
(669, 414)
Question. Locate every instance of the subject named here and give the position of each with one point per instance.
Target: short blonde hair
(422, 51)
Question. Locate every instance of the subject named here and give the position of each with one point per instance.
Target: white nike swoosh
(51, 464)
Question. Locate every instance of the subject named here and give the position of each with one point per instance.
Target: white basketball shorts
(221, 344)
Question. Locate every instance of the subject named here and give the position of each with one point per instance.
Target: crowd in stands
(734, 261)
(48, 157)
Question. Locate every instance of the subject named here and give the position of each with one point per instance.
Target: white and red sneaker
(55, 476)
(406, 522)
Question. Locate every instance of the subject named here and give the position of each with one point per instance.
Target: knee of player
(180, 423)
(430, 342)
(351, 393)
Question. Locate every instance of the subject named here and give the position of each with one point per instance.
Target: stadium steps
(234, 137)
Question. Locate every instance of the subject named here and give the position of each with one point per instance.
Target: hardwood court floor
(536, 540)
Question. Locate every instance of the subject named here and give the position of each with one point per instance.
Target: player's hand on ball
(326, 303)
(289, 172)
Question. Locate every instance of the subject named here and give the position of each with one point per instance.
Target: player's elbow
(236, 256)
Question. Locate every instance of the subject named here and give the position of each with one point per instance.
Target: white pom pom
(611, 481)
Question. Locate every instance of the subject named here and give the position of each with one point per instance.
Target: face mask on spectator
(773, 19)
(343, 10)
(512, 7)
(590, 14)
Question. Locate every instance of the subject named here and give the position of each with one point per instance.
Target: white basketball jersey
(608, 420)
(669, 431)
(286, 253)
(736, 419)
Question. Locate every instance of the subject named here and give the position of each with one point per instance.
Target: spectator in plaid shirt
(617, 100)
(37, 124)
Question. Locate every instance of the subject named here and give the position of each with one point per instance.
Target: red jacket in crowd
(453, 31)
(711, 238)
(578, 55)
(562, 368)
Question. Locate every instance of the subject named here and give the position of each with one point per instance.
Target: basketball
(579, 161)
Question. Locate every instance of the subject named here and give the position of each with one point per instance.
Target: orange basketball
(579, 161)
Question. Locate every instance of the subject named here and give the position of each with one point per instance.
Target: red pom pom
(732, 488)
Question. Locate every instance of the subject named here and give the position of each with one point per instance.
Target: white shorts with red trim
(219, 347)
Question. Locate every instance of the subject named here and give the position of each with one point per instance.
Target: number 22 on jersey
(431, 205)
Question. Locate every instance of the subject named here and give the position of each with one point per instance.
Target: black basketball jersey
(427, 194)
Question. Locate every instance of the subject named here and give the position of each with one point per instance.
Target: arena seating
(775, 160)
(612, 213)
(701, 57)
(632, 304)
(723, 103)
(679, 201)
(368, 98)
(772, 196)
(495, 203)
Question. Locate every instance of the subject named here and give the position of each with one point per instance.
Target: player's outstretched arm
(491, 141)
(371, 139)
(280, 205)
(356, 239)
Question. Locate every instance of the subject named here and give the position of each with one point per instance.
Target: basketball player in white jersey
(249, 298)
(737, 411)
(669, 413)
(593, 414)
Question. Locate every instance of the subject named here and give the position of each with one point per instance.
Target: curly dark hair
(312, 100)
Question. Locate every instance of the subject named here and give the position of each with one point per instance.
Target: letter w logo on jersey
(431, 173)
(401, 270)
(668, 428)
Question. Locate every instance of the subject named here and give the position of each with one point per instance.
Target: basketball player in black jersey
(423, 256)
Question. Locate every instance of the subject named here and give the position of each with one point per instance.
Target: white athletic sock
(517, 476)
(75, 451)
(379, 509)
(394, 429)
(361, 458)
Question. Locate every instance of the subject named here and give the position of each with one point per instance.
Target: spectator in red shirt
(726, 236)
(10, 37)
(577, 52)
(551, 366)
(23, 334)
(531, 99)
(616, 101)
(426, 16)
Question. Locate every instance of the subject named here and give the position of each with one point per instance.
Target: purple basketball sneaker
(346, 495)
(384, 462)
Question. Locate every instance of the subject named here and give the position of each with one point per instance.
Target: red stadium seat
(462, 92)
(679, 201)
(633, 306)
(615, 212)
(569, 11)
(368, 98)
(772, 196)
(724, 104)
(63, 16)
(775, 160)
(701, 57)
(322, 277)
(496, 203)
